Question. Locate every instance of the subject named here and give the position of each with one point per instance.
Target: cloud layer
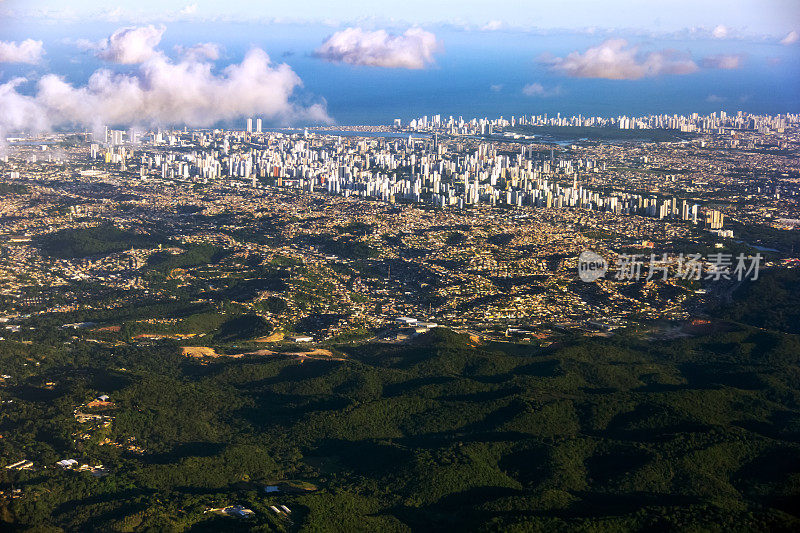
(723, 61)
(615, 60)
(161, 92)
(28, 51)
(414, 49)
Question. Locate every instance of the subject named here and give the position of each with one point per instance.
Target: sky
(146, 63)
(756, 16)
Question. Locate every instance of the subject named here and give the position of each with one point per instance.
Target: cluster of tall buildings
(413, 169)
(713, 123)
(119, 137)
(250, 126)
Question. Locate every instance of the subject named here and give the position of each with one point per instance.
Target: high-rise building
(249, 125)
(714, 219)
(116, 137)
(258, 125)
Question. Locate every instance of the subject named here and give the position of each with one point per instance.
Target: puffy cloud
(191, 9)
(615, 60)
(161, 92)
(129, 45)
(720, 32)
(496, 87)
(723, 61)
(539, 90)
(18, 111)
(791, 38)
(413, 49)
(28, 51)
(200, 51)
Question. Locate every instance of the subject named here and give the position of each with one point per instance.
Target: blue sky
(750, 16)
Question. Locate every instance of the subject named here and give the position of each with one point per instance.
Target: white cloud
(496, 87)
(413, 49)
(28, 51)
(713, 98)
(720, 32)
(161, 92)
(723, 61)
(493, 25)
(615, 60)
(17, 111)
(200, 51)
(191, 9)
(539, 90)
(791, 38)
(129, 45)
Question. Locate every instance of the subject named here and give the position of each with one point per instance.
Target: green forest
(442, 433)
(103, 239)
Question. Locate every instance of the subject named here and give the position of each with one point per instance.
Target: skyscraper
(249, 125)
(258, 125)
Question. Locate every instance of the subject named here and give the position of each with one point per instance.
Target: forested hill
(772, 303)
(443, 433)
